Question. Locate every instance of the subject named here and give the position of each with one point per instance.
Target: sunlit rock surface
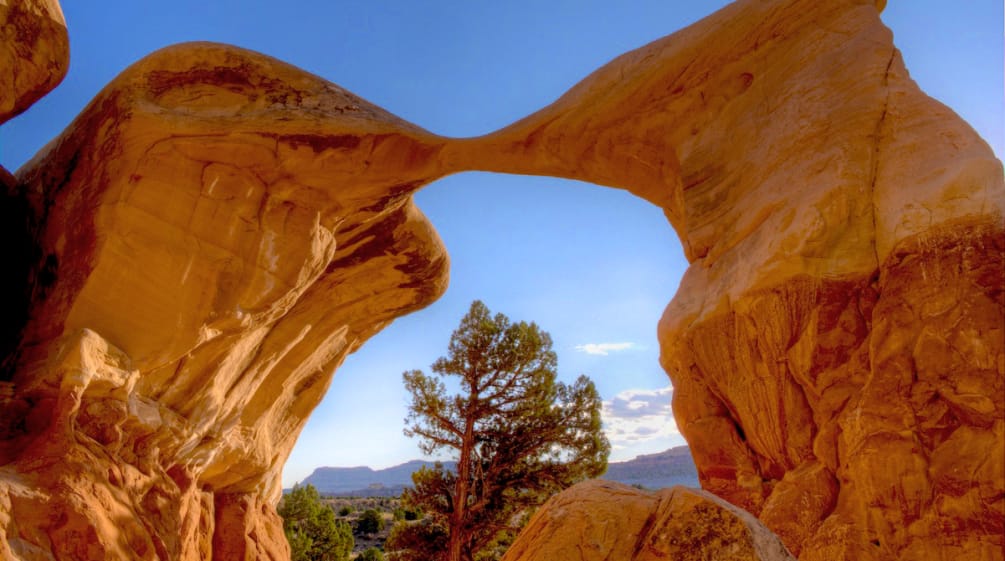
(217, 230)
(215, 233)
(601, 520)
(34, 52)
(836, 346)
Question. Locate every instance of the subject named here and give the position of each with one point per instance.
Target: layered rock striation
(217, 230)
(836, 345)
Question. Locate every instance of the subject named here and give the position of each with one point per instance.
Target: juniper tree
(518, 435)
(312, 529)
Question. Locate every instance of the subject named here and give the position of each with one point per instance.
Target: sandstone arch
(172, 353)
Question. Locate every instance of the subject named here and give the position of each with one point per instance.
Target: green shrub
(312, 529)
(418, 541)
(370, 522)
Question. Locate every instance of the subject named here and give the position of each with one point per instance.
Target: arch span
(217, 230)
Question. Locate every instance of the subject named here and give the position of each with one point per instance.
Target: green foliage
(312, 529)
(417, 541)
(370, 522)
(409, 514)
(518, 434)
(300, 545)
(371, 554)
(345, 510)
(494, 550)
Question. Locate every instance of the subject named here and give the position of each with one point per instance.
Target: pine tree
(312, 529)
(517, 434)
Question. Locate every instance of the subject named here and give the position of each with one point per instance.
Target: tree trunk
(457, 517)
(462, 488)
(456, 545)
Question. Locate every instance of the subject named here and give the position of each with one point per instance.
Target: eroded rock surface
(34, 52)
(217, 230)
(600, 520)
(836, 345)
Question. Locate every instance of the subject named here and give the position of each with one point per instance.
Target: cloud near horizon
(603, 349)
(639, 415)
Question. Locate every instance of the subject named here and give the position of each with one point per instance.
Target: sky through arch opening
(593, 266)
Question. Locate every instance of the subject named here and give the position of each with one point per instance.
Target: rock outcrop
(217, 230)
(34, 58)
(599, 520)
(34, 52)
(836, 345)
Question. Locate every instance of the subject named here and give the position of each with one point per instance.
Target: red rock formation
(217, 230)
(34, 53)
(600, 520)
(203, 269)
(836, 345)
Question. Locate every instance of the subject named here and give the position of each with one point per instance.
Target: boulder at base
(599, 520)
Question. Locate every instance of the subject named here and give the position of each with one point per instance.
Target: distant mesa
(652, 471)
(364, 481)
(656, 471)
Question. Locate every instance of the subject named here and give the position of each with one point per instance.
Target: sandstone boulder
(599, 520)
(34, 52)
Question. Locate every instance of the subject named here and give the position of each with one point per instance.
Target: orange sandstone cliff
(836, 345)
(217, 230)
(214, 233)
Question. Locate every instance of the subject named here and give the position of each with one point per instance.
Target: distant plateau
(651, 471)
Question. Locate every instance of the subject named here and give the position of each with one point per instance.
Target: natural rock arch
(217, 230)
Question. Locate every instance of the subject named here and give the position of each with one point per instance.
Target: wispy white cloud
(639, 415)
(636, 403)
(604, 349)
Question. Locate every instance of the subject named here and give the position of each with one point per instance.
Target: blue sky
(594, 267)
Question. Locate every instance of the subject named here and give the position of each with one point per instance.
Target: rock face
(600, 520)
(217, 230)
(34, 57)
(836, 346)
(34, 52)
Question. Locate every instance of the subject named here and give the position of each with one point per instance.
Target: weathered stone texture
(34, 53)
(600, 520)
(217, 230)
(838, 336)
